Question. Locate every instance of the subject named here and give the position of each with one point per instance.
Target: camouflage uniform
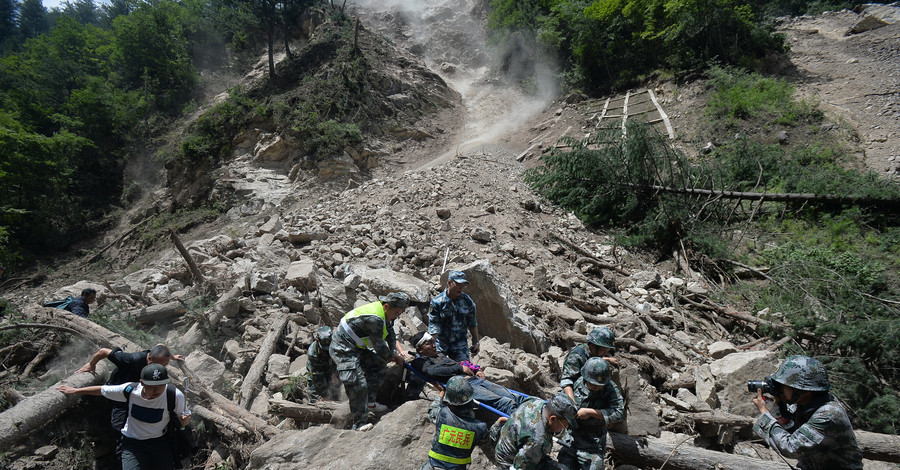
(578, 356)
(572, 365)
(821, 436)
(456, 431)
(319, 369)
(362, 369)
(525, 440)
(585, 447)
(449, 321)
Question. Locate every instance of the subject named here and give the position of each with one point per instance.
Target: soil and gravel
(477, 179)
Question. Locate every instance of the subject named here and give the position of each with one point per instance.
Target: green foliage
(180, 221)
(210, 136)
(616, 42)
(295, 387)
(108, 317)
(740, 96)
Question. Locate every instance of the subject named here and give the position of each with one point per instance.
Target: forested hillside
(764, 195)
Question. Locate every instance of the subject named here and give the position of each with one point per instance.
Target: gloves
(474, 348)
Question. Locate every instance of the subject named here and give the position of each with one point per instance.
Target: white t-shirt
(147, 419)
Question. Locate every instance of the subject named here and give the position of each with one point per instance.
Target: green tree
(32, 19)
(153, 53)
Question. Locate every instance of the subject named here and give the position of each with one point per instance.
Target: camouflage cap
(803, 373)
(395, 299)
(458, 391)
(458, 277)
(603, 337)
(595, 371)
(562, 406)
(323, 335)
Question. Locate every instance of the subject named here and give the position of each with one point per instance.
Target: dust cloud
(502, 86)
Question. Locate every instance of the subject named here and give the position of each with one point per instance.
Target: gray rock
(705, 385)
(278, 365)
(265, 283)
(732, 373)
(720, 349)
(646, 279)
(302, 275)
(443, 213)
(640, 415)
(481, 235)
(209, 370)
(499, 315)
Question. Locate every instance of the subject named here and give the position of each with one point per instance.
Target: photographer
(820, 436)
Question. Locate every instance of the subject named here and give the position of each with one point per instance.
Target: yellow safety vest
(375, 308)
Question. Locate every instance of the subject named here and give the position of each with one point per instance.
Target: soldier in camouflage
(820, 436)
(601, 343)
(319, 366)
(599, 404)
(450, 314)
(456, 429)
(360, 348)
(526, 439)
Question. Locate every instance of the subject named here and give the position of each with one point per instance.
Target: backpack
(180, 438)
(60, 304)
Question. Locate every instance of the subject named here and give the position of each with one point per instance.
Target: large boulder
(731, 374)
(499, 315)
(641, 418)
(302, 275)
(209, 370)
(401, 440)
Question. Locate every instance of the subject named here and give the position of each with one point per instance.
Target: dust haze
(502, 86)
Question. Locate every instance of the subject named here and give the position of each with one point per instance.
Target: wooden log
(192, 265)
(155, 313)
(874, 446)
(320, 412)
(227, 302)
(254, 375)
(587, 254)
(199, 392)
(648, 452)
(34, 412)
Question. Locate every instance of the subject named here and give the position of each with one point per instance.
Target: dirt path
(856, 79)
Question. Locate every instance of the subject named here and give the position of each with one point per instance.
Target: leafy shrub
(210, 136)
(741, 96)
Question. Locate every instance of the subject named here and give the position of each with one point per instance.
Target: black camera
(767, 385)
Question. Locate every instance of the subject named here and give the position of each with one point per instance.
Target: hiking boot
(376, 407)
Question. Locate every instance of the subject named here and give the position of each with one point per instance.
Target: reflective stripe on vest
(375, 308)
(448, 459)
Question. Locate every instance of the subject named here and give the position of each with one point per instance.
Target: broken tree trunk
(779, 197)
(36, 411)
(227, 304)
(199, 392)
(155, 313)
(254, 375)
(192, 265)
(874, 446)
(653, 453)
(320, 412)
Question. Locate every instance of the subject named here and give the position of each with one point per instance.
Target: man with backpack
(145, 444)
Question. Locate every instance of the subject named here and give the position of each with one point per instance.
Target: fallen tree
(50, 403)
(653, 453)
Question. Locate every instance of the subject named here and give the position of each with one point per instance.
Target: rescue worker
(600, 343)
(820, 436)
(450, 314)
(526, 439)
(319, 366)
(599, 404)
(360, 348)
(456, 429)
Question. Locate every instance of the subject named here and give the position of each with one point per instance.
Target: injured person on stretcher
(436, 367)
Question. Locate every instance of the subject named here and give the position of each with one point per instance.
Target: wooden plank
(663, 114)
